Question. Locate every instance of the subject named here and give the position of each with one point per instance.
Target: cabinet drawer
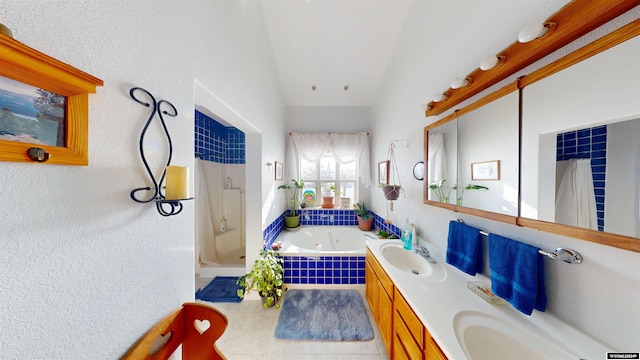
(384, 279)
(404, 342)
(413, 324)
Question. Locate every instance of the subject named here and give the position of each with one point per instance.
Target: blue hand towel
(464, 248)
(517, 273)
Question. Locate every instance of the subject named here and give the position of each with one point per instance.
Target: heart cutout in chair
(159, 343)
(201, 325)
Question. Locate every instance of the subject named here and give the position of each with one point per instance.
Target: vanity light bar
(574, 20)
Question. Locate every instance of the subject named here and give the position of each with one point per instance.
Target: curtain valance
(344, 148)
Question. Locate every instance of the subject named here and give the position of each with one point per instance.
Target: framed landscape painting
(44, 106)
(31, 115)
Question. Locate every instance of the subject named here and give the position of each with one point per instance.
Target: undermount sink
(483, 336)
(412, 263)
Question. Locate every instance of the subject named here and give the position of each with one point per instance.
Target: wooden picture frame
(486, 170)
(383, 172)
(279, 171)
(25, 65)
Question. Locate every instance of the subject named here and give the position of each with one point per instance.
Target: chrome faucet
(422, 251)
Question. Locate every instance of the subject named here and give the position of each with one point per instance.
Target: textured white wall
(85, 271)
(599, 296)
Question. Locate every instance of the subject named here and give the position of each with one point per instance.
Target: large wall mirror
(579, 128)
(442, 153)
(488, 157)
(581, 144)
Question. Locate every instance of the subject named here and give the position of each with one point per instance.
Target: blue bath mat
(220, 289)
(331, 315)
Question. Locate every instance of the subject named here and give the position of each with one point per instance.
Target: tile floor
(249, 334)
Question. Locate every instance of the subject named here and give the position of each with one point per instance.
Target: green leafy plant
(443, 192)
(386, 235)
(468, 187)
(266, 277)
(440, 190)
(362, 211)
(294, 189)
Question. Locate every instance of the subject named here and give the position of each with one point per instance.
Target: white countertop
(438, 303)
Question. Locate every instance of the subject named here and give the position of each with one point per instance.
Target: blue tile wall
(218, 143)
(324, 269)
(590, 143)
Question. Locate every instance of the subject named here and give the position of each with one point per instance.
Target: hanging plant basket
(392, 192)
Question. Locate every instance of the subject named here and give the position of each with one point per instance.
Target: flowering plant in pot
(365, 218)
(292, 218)
(266, 277)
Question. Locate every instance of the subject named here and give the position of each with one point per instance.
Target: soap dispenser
(406, 235)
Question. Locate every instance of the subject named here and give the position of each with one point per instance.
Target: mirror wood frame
(616, 37)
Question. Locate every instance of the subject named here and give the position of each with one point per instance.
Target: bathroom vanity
(426, 311)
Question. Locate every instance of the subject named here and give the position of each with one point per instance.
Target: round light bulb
(438, 97)
(459, 82)
(531, 32)
(425, 107)
(489, 62)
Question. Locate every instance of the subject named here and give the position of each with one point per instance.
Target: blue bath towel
(464, 248)
(517, 273)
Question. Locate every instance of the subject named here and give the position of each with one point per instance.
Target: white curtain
(204, 232)
(344, 148)
(437, 158)
(575, 199)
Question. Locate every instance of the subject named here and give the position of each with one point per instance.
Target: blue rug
(333, 315)
(220, 289)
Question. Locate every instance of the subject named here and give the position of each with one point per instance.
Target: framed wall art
(488, 170)
(383, 172)
(279, 173)
(43, 107)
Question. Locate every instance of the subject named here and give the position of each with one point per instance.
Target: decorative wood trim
(600, 237)
(575, 19)
(619, 36)
(24, 64)
(509, 219)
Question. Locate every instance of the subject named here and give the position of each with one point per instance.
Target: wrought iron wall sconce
(166, 207)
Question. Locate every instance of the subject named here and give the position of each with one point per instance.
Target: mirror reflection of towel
(575, 200)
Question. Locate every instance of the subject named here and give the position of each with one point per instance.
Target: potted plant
(392, 190)
(382, 234)
(327, 196)
(292, 218)
(266, 277)
(365, 218)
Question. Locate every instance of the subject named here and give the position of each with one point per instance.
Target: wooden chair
(195, 325)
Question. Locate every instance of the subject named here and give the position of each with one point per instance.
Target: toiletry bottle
(414, 236)
(406, 235)
(223, 225)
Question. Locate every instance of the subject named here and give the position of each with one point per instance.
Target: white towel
(575, 199)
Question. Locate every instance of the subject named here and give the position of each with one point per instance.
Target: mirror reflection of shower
(220, 205)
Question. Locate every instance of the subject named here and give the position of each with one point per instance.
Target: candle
(177, 183)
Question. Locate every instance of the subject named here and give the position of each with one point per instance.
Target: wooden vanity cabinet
(379, 291)
(402, 332)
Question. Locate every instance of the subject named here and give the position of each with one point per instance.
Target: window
(325, 172)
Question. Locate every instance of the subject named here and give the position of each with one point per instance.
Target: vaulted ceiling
(333, 44)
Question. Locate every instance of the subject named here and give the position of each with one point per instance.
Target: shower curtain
(436, 158)
(204, 232)
(575, 198)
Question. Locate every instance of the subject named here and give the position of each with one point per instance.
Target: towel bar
(569, 256)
